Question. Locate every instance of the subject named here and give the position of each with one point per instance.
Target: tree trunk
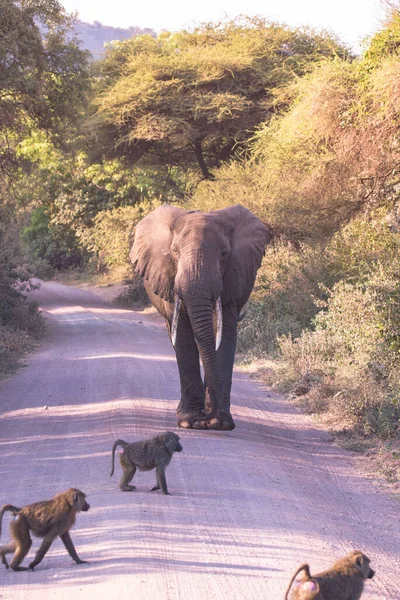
(200, 159)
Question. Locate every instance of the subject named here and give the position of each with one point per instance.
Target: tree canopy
(43, 72)
(196, 96)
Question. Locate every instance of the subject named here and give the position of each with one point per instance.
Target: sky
(351, 20)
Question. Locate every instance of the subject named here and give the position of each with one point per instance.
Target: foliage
(20, 321)
(111, 234)
(43, 72)
(386, 42)
(235, 182)
(56, 245)
(194, 96)
(367, 244)
(64, 194)
(334, 153)
(354, 351)
(43, 82)
(286, 297)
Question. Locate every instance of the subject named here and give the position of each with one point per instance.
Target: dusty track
(246, 508)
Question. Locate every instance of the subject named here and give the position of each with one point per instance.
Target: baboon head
(76, 499)
(171, 441)
(362, 562)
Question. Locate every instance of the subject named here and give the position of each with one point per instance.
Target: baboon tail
(305, 568)
(7, 508)
(117, 443)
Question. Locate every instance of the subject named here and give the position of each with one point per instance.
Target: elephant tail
(116, 444)
(6, 508)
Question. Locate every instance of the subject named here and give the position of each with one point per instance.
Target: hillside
(95, 35)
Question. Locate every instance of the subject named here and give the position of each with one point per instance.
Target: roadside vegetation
(285, 121)
(43, 83)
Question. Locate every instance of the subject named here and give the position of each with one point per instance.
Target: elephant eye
(224, 255)
(175, 252)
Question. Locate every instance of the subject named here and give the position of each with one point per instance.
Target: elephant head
(199, 262)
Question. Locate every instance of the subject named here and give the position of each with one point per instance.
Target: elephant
(199, 269)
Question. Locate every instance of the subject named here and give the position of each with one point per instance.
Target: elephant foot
(192, 421)
(185, 423)
(221, 425)
(222, 421)
(200, 424)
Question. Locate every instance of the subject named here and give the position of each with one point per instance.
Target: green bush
(286, 296)
(14, 343)
(62, 194)
(20, 320)
(369, 243)
(354, 350)
(50, 247)
(385, 42)
(110, 236)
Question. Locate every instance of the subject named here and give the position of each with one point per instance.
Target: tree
(44, 79)
(196, 96)
(43, 73)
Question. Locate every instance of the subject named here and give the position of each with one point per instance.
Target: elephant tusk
(218, 309)
(175, 318)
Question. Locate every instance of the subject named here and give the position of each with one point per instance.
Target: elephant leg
(226, 358)
(191, 406)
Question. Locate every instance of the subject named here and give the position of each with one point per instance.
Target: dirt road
(247, 506)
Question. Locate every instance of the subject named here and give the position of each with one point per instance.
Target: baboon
(47, 519)
(146, 455)
(343, 581)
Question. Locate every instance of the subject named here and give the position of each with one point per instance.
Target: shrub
(307, 178)
(20, 320)
(110, 236)
(13, 345)
(286, 296)
(367, 244)
(49, 246)
(235, 183)
(333, 155)
(354, 348)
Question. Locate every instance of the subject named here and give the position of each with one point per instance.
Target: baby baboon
(146, 455)
(344, 580)
(46, 519)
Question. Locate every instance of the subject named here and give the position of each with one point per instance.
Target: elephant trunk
(175, 319)
(200, 312)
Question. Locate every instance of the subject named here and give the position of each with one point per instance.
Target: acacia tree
(195, 96)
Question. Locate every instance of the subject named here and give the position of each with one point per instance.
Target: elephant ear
(151, 250)
(248, 241)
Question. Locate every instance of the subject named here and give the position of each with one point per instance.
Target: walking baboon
(47, 519)
(345, 580)
(146, 455)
